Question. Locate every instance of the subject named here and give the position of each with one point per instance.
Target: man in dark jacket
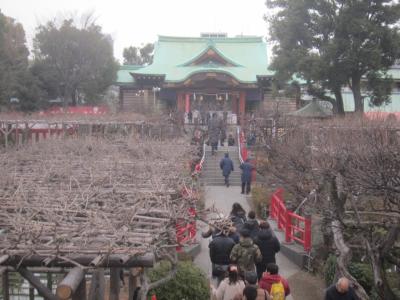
(252, 224)
(341, 291)
(220, 250)
(214, 130)
(247, 168)
(269, 246)
(226, 166)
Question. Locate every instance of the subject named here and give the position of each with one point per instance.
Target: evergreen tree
(74, 63)
(331, 44)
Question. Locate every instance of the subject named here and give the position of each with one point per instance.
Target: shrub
(330, 269)
(189, 282)
(261, 198)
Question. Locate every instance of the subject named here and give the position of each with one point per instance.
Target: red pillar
(242, 107)
(235, 105)
(187, 103)
(242, 103)
(180, 102)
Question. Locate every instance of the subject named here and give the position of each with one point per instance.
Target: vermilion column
(242, 103)
(242, 107)
(187, 103)
(179, 103)
(235, 105)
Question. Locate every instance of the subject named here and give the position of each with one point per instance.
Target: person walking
(220, 250)
(226, 165)
(252, 224)
(190, 116)
(250, 279)
(229, 287)
(238, 216)
(245, 254)
(273, 283)
(269, 245)
(247, 169)
(341, 291)
(214, 130)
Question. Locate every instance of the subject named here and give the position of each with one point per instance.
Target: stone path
(223, 198)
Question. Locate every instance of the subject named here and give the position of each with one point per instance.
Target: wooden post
(42, 289)
(70, 283)
(80, 293)
(5, 286)
(49, 281)
(97, 285)
(31, 293)
(134, 282)
(114, 283)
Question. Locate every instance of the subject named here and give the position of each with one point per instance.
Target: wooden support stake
(42, 289)
(70, 283)
(49, 281)
(5, 286)
(97, 285)
(134, 282)
(31, 293)
(80, 293)
(114, 283)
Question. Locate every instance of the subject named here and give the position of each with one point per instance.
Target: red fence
(76, 110)
(186, 231)
(296, 228)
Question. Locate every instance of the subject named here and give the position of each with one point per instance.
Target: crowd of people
(242, 253)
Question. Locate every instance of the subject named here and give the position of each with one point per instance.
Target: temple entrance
(199, 107)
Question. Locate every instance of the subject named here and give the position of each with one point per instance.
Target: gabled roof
(311, 110)
(178, 58)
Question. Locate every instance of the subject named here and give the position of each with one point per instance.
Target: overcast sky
(135, 22)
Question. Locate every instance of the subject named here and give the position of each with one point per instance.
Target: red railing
(186, 231)
(244, 153)
(296, 228)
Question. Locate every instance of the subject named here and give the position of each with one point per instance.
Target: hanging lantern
(194, 96)
(201, 97)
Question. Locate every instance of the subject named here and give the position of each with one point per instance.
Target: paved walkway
(223, 198)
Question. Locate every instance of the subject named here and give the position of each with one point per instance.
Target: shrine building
(211, 73)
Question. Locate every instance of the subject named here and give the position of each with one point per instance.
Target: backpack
(277, 291)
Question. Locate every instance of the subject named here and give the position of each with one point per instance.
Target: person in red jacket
(272, 276)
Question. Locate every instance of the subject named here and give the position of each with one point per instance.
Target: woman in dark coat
(238, 216)
(269, 246)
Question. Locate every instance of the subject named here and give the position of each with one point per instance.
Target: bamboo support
(114, 283)
(97, 285)
(5, 286)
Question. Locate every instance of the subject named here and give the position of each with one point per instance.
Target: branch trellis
(91, 202)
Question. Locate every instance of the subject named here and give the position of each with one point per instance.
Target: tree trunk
(356, 88)
(339, 101)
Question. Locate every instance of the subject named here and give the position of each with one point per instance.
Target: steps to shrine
(212, 174)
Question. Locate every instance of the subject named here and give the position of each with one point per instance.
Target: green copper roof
(173, 56)
(123, 74)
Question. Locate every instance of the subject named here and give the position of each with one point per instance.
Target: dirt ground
(305, 286)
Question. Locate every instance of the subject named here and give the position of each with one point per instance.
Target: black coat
(268, 244)
(252, 226)
(238, 220)
(220, 249)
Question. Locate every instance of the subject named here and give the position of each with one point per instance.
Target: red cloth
(267, 280)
